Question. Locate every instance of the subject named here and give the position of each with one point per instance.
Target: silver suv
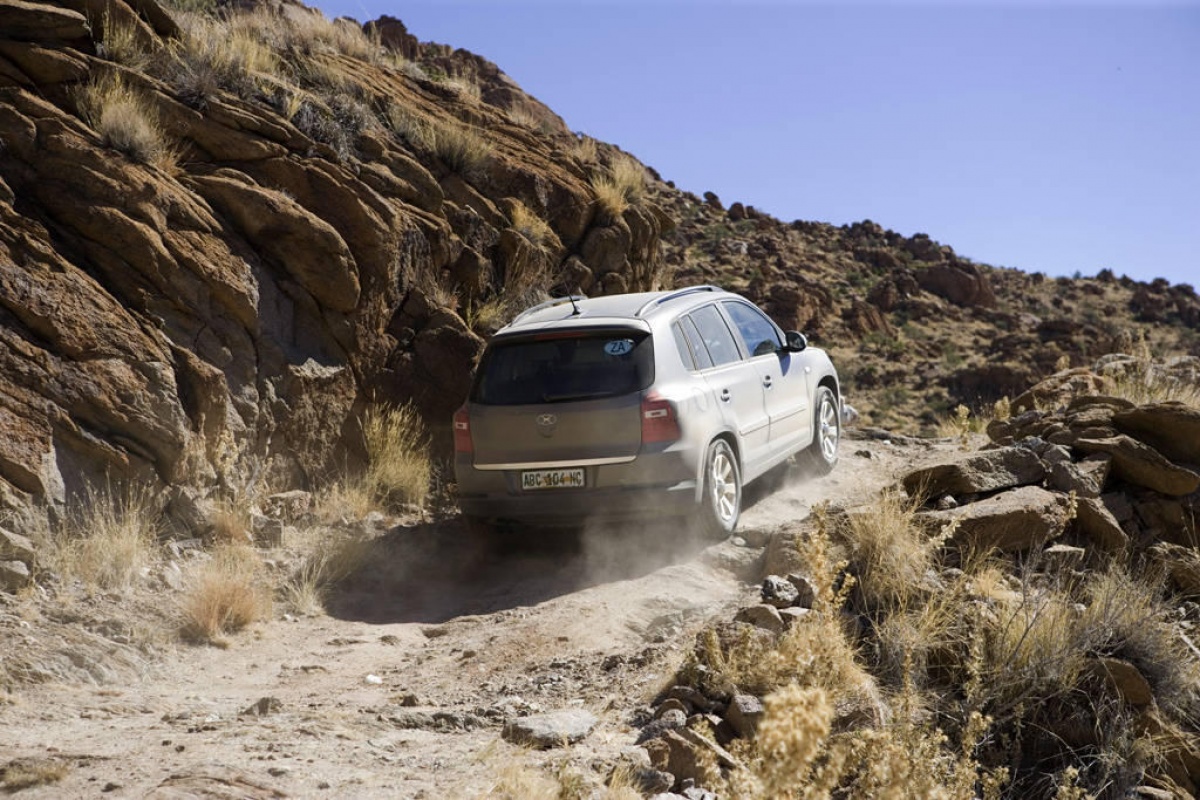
(660, 403)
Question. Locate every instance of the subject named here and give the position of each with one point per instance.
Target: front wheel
(822, 455)
(721, 504)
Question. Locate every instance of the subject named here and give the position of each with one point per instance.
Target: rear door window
(699, 351)
(718, 339)
(559, 367)
(685, 349)
(757, 331)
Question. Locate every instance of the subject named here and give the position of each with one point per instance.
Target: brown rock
(683, 753)
(15, 547)
(961, 283)
(1060, 388)
(1171, 428)
(14, 576)
(1011, 521)
(1140, 464)
(40, 22)
(744, 713)
(1085, 478)
(985, 471)
(761, 616)
(1124, 679)
(1096, 522)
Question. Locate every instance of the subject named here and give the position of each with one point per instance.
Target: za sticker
(618, 347)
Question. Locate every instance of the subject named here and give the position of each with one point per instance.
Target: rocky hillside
(226, 234)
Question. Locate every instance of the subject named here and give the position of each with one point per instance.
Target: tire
(822, 455)
(721, 502)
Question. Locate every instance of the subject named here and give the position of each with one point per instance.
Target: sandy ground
(401, 689)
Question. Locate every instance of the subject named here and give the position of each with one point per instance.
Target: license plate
(552, 479)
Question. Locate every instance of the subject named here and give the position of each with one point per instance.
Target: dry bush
(620, 186)
(487, 316)
(313, 33)
(1147, 382)
(888, 552)
(226, 593)
(532, 227)
(110, 538)
(585, 150)
(126, 121)
(465, 88)
(215, 55)
(332, 557)
(398, 462)
(519, 115)
(28, 773)
(461, 148)
(122, 44)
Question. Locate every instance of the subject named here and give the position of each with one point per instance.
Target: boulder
(1139, 464)
(762, 616)
(961, 283)
(14, 576)
(778, 592)
(555, 729)
(1094, 521)
(1171, 428)
(806, 590)
(1085, 478)
(744, 713)
(1060, 388)
(1011, 521)
(15, 547)
(40, 21)
(685, 754)
(986, 471)
(1124, 680)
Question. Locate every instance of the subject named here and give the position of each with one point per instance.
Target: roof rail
(557, 301)
(677, 293)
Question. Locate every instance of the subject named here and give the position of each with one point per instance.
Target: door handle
(725, 396)
(767, 382)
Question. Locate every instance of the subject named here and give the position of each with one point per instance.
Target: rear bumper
(577, 506)
(653, 485)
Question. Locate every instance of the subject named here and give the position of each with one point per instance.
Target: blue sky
(1054, 137)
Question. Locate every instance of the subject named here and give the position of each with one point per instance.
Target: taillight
(462, 432)
(659, 423)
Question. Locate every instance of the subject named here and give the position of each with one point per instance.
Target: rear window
(565, 367)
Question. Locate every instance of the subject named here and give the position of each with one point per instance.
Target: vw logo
(546, 424)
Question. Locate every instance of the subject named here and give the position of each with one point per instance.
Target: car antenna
(574, 305)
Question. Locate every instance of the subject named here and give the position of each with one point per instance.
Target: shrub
(225, 595)
(461, 148)
(623, 184)
(398, 465)
(332, 558)
(126, 121)
(532, 227)
(109, 538)
(122, 44)
(30, 772)
(213, 55)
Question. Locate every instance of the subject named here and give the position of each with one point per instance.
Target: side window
(716, 335)
(758, 334)
(685, 349)
(699, 351)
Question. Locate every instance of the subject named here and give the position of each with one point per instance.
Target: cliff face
(222, 237)
(305, 238)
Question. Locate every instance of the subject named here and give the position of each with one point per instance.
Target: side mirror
(795, 341)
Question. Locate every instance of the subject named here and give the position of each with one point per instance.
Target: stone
(806, 590)
(778, 592)
(1063, 557)
(1171, 428)
(793, 615)
(1086, 478)
(671, 704)
(1096, 522)
(744, 713)
(1124, 680)
(1011, 521)
(1140, 464)
(554, 729)
(267, 532)
(684, 753)
(986, 471)
(693, 698)
(40, 21)
(291, 507)
(15, 547)
(14, 576)
(263, 707)
(761, 616)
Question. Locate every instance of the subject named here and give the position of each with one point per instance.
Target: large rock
(14, 576)
(1096, 522)
(40, 21)
(1011, 521)
(976, 473)
(555, 729)
(1142, 465)
(1171, 428)
(15, 547)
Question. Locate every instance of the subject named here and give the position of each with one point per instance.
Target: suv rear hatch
(565, 397)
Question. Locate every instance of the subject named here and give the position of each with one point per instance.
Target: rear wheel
(721, 504)
(822, 455)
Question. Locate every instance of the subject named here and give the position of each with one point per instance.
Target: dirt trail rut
(401, 690)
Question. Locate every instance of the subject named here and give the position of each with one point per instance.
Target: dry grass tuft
(217, 54)
(1147, 382)
(622, 185)
(122, 44)
(332, 557)
(226, 594)
(126, 121)
(586, 150)
(109, 539)
(21, 774)
(465, 88)
(532, 227)
(398, 469)
(460, 147)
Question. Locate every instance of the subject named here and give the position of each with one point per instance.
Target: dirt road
(402, 688)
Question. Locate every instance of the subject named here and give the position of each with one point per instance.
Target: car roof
(615, 309)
